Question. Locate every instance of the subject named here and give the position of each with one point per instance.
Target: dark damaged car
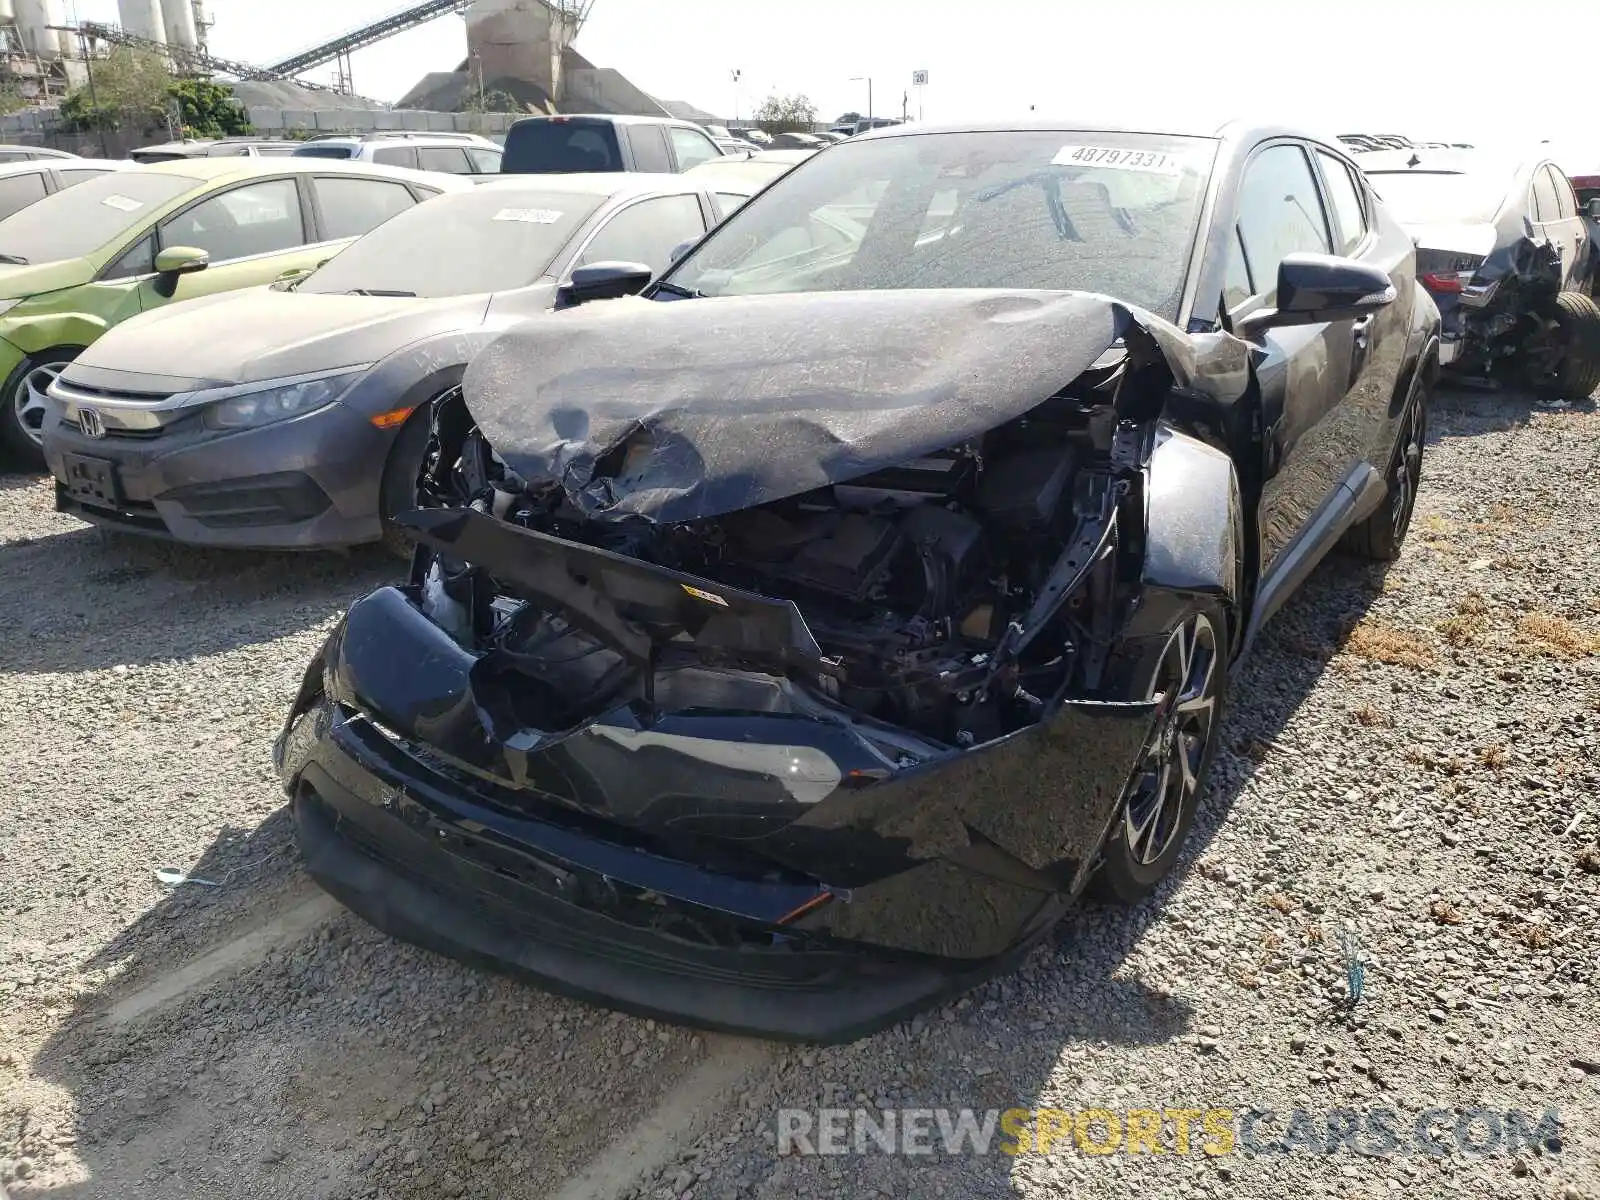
(1504, 249)
(789, 647)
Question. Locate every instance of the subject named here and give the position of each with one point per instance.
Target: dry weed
(1385, 643)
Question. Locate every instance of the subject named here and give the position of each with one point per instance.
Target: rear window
(325, 152)
(551, 147)
(1441, 198)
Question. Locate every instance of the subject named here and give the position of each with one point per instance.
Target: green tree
(208, 110)
(786, 114)
(131, 90)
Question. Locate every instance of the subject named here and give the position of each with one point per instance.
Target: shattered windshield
(1098, 212)
(1440, 197)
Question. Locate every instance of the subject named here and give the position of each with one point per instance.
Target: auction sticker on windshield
(122, 203)
(533, 216)
(1121, 160)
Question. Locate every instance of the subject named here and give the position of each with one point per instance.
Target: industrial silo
(180, 23)
(34, 18)
(142, 18)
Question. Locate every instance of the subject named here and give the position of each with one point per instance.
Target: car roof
(613, 118)
(43, 151)
(595, 183)
(227, 169)
(1232, 130)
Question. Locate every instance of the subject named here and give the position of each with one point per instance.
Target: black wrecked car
(1504, 250)
(788, 647)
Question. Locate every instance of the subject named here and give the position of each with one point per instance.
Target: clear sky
(1489, 71)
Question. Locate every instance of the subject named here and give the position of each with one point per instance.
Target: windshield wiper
(677, 289)
(13, 260)
(378, 292)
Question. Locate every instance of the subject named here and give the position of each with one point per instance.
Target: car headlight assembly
(269, 405)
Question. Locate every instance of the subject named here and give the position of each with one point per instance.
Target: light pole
(736, 75)
(867, 79)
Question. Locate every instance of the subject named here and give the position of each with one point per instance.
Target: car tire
(1381, 535)
(1153, 824)
(22, 411)
(397, 492)
(1577, 374)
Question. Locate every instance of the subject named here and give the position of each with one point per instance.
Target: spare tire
(1576, 374)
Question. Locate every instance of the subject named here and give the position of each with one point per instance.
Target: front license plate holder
(91, 480)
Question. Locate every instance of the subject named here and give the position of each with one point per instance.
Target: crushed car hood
(258, 334)
(675, 411)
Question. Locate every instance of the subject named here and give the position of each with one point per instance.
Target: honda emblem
(90, 423)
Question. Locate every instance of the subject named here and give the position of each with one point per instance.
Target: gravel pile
(1409, 780)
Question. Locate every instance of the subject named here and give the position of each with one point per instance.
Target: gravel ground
(1411, 758)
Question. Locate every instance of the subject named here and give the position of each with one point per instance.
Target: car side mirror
(1314, 288)
(176, 261)
(1592, 208)
(682, 248)
(604, 281)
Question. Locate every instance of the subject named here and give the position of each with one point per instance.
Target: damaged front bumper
(766, 871)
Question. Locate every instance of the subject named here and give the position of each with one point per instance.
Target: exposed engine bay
(953, 595)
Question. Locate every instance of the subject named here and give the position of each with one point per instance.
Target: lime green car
(78, 262)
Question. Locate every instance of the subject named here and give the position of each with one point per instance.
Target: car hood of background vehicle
(36, 279)
(259, 334)
(674, 411)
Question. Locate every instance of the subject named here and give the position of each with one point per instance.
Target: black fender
(1193, 518)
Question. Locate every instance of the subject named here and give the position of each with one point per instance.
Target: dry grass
(1311, 935)
(1372, 717)
(1494, 757)
(1445, 913)
(1271, 940)
(1555, 637)
(1472, 605)
(1417, 756)
(1280, 902)
(1381, 642)
(1246, 978)
(1503, 514)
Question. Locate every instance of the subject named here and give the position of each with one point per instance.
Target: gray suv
(452, 153)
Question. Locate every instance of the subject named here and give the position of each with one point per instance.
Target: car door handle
(1360, 329)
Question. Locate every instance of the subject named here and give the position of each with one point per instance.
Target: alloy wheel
(1188, 677)
(1408, 465)
(28, 400)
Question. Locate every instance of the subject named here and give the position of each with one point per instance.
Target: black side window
(1236, 288)
(138, 259)
(649, 148)
(350, 207)
(1279, 212)
(19, 191)
(450, 159)
(258, 218)
(396, 156)
(646, 232)
(1344, 196)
